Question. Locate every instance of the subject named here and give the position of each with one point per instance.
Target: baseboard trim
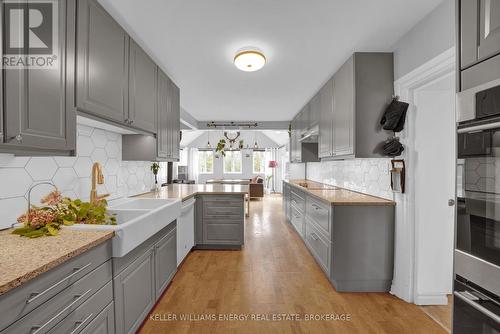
(432, 299)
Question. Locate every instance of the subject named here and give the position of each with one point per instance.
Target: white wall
(71, 174)
(433, 35)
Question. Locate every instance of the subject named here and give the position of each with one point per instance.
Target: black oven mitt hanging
(394, 116)
(392, 147)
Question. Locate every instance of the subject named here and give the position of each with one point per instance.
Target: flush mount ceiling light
(249, 60)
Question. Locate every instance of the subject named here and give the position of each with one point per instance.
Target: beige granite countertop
(186, 191)
(22, 259)
(337, 195)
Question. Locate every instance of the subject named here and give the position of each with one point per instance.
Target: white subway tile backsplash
(71, 174)
(369, 176)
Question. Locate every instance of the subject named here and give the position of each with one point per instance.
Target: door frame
(405, 271)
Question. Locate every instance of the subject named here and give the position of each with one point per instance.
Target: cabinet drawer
(297, 199)
(297, 220)
(44, 318)
(103, 323)
(85, 313)
(319, 246)
(24, 299)
(223, 233)
(320, 213)
(222, 209)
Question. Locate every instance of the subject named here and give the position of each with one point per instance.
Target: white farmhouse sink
(137, 220)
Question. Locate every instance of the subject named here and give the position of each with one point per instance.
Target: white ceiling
(305, 41)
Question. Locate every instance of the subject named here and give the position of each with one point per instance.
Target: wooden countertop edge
(384, 201)
(52, 264)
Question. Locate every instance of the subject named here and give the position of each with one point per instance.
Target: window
(232, 162)
(259, 162)
(205, 162)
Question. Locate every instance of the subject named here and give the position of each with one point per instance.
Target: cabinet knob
(451, 202)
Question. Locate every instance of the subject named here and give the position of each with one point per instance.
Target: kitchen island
(219, 215)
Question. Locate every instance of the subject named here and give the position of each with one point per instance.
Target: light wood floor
(274, 274)
(440, 313)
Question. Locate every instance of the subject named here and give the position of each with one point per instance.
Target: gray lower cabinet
(102, 64)
(141, 276)
(103, 323)
(142, 89)
(353, 245)
(134, 290)
(38, 116)
(219, 221)
(94, 293)
(69, 296)
(165, 261)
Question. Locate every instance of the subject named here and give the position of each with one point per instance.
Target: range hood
(310, 136)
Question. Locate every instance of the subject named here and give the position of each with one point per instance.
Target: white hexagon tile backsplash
(71, 175)
(370, 176)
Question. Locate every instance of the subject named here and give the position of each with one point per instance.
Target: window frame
(224, 163)
(263, 154)
(199, 163)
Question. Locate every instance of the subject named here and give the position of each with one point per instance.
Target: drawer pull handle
(81, 324)
(39, 329)
(35, 295)
(315, 207)
(314, 236)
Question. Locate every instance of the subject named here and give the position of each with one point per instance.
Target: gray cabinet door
(142, 89)
(103, 323)
(343, 110)
(489, 29)
(134, 292)
(102, 63)
(162, 131)
(174, 121)
(314, 110)
(468, 32)
(38, 103)
(479, 30)
(325, 148)
(165, 261)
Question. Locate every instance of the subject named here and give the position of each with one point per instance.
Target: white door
(434, 174)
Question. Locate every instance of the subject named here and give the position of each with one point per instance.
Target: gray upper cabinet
(142, 89)
(174, 121)
(343, 106)
(325, 145)
(489, 29)
(352, 104)
(315, 110)
(479, 31)
(102, 63)
(162, 134)
(38, 113)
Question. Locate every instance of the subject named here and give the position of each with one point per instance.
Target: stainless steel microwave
(479, 103)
